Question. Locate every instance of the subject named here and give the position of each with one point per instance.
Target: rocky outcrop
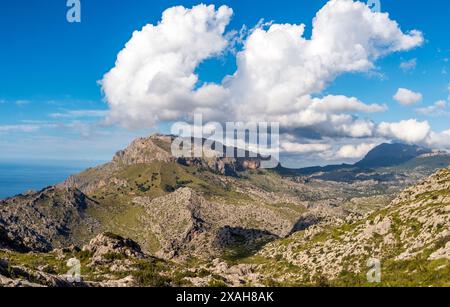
(44, 220)
(107, 247)
(185, 223)
(442, 253)
(146, 150)
(108, 259)
(176, 220)
(93, 179)
(23, 277)
(222, 166)
(230, 275)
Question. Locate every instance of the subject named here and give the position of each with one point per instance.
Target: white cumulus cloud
(154, 76)
(439, 140)
(407, 97)
(305, 148)
(278, 68)
(281, 74)
(355, 151)
(437, 109)
(409, 131)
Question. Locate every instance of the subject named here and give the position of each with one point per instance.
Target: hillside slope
(41, 221)
(410, 237)
(398, 164)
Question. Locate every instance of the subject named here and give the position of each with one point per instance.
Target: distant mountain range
(386, 155)
(383, 159)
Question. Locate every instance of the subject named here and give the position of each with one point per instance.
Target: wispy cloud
(79, 114)
(22, 102)
(19, 102)
(84, 129)
(408, 65)
(437, 109)
(19, 128)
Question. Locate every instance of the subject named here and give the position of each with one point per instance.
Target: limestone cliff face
(146, 150)
(158, 148)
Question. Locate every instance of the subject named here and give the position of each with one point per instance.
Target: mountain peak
(146, 150)
(391, 154)
(158, 148)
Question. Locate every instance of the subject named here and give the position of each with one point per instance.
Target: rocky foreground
(217, 222)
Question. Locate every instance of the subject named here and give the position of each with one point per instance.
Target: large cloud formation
(280, 73)
(410, 131)
(154, 79)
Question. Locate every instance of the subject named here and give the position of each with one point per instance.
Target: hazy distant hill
(390, 155)
(386, 162)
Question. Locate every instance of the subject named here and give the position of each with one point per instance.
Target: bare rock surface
(43, 220)
(107, 246)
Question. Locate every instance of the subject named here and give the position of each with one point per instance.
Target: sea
(17, 177)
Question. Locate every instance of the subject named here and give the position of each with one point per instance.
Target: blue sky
(50, 68)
